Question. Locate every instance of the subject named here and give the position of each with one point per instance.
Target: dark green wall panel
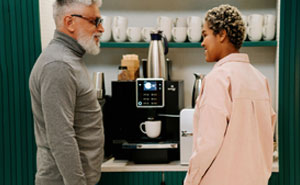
(154, 178)
(175, 178)
(289, 94)
(274, 180)
(20, 45)
(132, 178)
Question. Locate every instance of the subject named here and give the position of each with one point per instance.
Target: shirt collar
(69, 42)
(233, 57)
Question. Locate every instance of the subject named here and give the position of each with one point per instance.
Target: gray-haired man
(67, 116)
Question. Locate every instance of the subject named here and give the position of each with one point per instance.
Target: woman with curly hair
(234, 119)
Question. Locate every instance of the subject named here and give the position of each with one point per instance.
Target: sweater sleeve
(211, 116)
(58, 97)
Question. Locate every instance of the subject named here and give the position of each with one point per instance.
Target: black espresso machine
(134, 102)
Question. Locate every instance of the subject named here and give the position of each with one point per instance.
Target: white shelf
(113, 165)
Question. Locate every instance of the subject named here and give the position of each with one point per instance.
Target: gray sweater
(67, 116)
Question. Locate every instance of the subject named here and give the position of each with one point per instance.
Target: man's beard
(88, 43)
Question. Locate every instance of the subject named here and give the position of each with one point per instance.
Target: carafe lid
(156, 34)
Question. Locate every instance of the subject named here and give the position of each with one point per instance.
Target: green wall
(154, 178)
(19, 47)
(289, 93)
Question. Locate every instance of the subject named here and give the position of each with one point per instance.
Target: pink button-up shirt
(233, 126)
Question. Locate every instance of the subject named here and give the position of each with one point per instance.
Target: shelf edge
(182, 45)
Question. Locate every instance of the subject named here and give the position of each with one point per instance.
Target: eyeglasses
(96, 21)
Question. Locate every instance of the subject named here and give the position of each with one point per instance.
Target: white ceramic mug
(120, 21)
(134, 34)
(269, 32)
(180, 22)
(119, 34)
(255, 20)
(269, 20)
(119, 28)
(254, 33)
(244, 18)
(194, 21)
(146, 33)
(152, 128)
(106, 35)
(165, 24)
(255, 27)
(194, 34)
(179, 34)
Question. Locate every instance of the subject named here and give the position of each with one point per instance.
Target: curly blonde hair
(228, 18)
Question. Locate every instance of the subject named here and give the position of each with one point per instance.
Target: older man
(67, 116)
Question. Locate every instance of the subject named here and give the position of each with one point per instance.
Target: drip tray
(152, 153)
(149, 146)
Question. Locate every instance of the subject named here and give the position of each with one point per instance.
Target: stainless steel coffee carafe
(197, 87)
(168, 65)
(156, 64)
(98, 79)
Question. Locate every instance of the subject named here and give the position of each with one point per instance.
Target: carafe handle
(166, 45)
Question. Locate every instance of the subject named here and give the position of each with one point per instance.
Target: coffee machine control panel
(150, 93)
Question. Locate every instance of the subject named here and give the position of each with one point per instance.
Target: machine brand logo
(172, 88)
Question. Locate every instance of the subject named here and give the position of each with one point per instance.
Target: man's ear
(223, 35)
(69, 23)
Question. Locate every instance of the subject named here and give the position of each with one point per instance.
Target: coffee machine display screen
(150, 86)
(150, 92)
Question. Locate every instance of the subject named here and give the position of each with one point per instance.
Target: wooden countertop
(113, 165)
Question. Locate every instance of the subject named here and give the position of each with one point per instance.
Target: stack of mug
(165, 24)
(261, 27)
(244, 17)
(106, 35)
(179, 31)
(119, 28)
(269, 28)
(194, 30)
